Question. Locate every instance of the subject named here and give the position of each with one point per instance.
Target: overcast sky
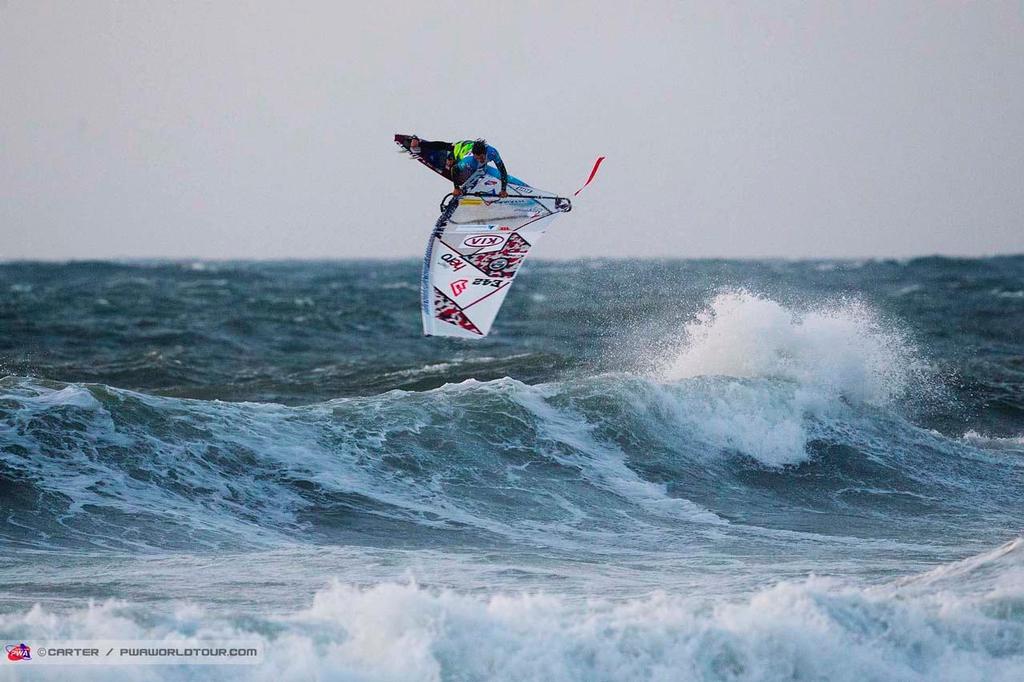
(263, 129)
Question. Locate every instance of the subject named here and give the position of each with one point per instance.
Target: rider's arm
(493, 155)
(504, 173)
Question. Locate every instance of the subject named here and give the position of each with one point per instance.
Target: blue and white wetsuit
(466, 164)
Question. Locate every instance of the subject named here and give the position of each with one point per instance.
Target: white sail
(477, 249)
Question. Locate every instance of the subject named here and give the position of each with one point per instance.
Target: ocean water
(652, 470)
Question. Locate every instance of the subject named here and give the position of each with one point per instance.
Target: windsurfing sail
(477, 248)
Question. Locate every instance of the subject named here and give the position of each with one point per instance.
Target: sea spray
(788, 368)
(840, 350)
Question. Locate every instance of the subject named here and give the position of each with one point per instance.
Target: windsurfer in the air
(469, 157)
(457, 161)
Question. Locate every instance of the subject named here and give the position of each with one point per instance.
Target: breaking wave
(761, 406)
(961, 621)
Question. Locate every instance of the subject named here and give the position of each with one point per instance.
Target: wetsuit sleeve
(493, 155)
(504, 173)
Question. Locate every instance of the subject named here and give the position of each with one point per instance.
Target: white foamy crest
(787, 366)
(1008, 443)
(814, 629)
(843, 349)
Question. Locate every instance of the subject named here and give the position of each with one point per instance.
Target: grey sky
(259, 129)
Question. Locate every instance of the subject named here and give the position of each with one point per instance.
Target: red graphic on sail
(503, 262)
(446, 310)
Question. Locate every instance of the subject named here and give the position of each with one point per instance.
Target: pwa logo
(483, 240)
(18, 652)
(458, 286)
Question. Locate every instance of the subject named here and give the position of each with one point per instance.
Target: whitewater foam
(840, 350)
(816, 628)
(1008, 443)
(768, 371)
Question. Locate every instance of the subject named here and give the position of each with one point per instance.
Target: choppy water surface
(651, 470)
